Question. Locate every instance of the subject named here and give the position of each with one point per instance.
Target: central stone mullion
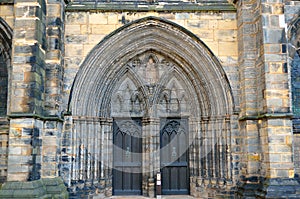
(151, 159)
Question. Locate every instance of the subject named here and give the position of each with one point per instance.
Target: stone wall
(265, 108)
(256, 46)
(54, 58)
(291, 13)
(28, 61)
(34, 132)
(7, 13)
(27, 91)
(4, 129)
(24, 161)
(84, 30)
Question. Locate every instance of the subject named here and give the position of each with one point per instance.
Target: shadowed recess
(5, 57)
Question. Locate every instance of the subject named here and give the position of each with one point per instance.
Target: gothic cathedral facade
(102, 98)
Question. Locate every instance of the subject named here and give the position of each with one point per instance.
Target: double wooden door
(127, 156)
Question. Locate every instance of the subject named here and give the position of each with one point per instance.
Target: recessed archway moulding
(156, 40)
(5, 64)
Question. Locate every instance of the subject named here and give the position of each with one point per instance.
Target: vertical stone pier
(267, 164)
(33, 134)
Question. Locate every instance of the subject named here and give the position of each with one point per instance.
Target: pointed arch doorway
(151, 88)
(153, 98)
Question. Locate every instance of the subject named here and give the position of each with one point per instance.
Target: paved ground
(162, 197)
(141, 197)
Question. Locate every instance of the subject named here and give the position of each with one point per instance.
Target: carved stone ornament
(150, 86)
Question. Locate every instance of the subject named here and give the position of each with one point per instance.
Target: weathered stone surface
(50, 128)
(42, 189)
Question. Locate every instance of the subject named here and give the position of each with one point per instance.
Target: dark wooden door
(174, 157)
(127, 156)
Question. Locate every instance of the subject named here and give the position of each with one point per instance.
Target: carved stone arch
(294, 37)
(118, 103)
(129, 127)
(102, 67)
(164, 101)
(5, 75)
(137, 103)
(151, 55)
(103, 95)
(294, 56)
(196, 69)
(184, 104)
(5, 65)
(130, 81)
(198, 97)
(5, 38)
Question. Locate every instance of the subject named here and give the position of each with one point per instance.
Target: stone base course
(43, 189)
(269, 188)
(279, 188)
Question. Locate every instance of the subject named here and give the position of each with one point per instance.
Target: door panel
(174, 157)
(127, 155)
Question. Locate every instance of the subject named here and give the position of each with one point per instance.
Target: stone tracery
(128, 100)
(157, 82)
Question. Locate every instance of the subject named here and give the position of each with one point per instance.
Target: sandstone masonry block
(98, 18)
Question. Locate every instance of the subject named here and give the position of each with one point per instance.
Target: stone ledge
(42, 189)
(109, 7)
(35, 116)
(267, 116)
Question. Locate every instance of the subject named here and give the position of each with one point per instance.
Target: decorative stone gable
(151, 86)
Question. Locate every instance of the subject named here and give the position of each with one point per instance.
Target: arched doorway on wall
(294, 56)
(150, 98)
(5, 65)
(294, 53)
